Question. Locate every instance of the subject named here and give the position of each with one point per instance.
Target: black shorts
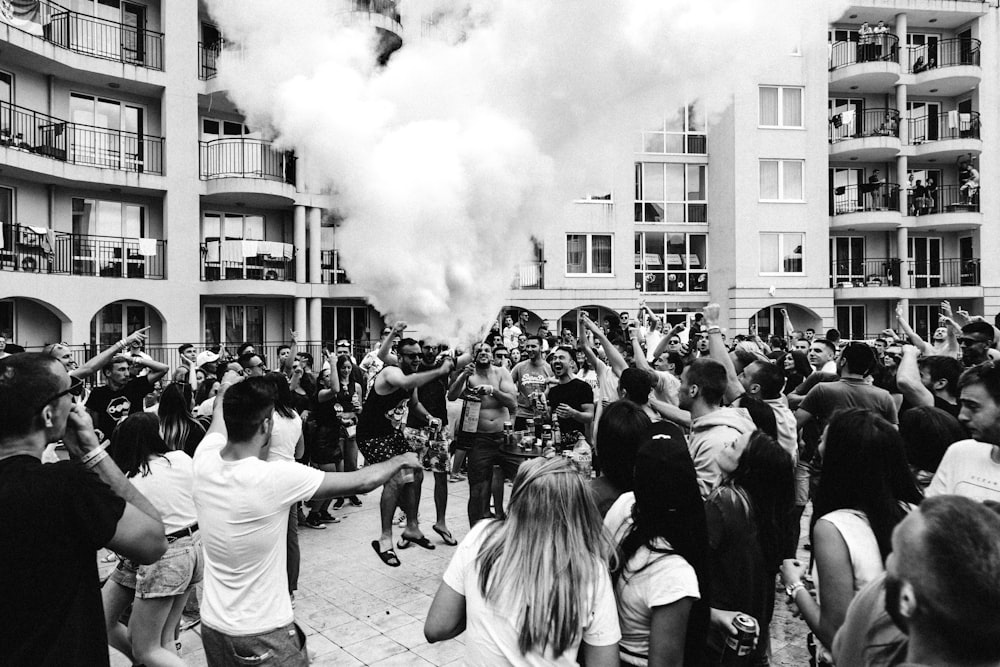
(485, 453)
(383, 447)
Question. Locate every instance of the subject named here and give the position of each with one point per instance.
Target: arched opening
(526, 320)
(121, 318)
(770, 320)
(571, 319)
(30, 323)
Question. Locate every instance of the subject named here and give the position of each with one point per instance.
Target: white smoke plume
(479, 130)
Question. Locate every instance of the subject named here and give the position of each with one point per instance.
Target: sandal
(446, 536)
(407, 542)
(388, 557)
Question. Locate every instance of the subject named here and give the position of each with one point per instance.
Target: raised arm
(399, 380)
(101, 360)
(385, 350)
(914, 337)
(717, 350)
(615, 358)
(156, 369)
(908, 379)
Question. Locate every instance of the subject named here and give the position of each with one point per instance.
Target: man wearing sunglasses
(123, 394)
(56, 516)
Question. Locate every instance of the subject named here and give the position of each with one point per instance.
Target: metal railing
(945, 125)
(384, 7)
(58, 139)
(333, 274)
(243, 157)
(943, 273)
(867, 272)
(944, 199)
(217, 264)
(208, 54)
(952, 52)
(865, 197)
(39, 250)
(529, 275)
(881, 47)
(100, 38)
(868, 123)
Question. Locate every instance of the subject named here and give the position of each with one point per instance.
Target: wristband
(92, 454)
(715, 328)
(94, 461)
(792, 589)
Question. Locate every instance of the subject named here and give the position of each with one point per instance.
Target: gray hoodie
(709, 434)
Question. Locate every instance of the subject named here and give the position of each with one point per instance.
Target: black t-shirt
(951, 408)
(433, 396)
(112, 407)
(575, 394)
(53, 519)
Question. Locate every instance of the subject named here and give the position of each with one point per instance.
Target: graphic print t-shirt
(112, 407)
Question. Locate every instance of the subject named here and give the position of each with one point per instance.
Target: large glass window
(848, 254)
(588, 254)
(234, 325)
(671, 262)
(108, 218)
(780, 106)
(235, 226)
(924, 318)
(666, 192)
(683, 133)
(114, 322)
(851, 322)
(346, 322)
(781, 252)
(781, 180)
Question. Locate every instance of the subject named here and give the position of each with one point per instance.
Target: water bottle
(583, 457)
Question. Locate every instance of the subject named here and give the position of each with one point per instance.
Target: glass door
(133, 33)
(923, 121)
(848, 254)
(925, 258)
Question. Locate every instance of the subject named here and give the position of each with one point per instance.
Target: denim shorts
(178, 569)
(124, 573)
(284, 646)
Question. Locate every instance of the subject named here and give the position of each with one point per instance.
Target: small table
(514, 447)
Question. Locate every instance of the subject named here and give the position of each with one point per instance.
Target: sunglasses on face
(965, 340)
(75, 389)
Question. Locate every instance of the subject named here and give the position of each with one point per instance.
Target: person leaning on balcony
(970, 184)
(62, 353)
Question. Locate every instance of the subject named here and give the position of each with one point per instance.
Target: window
(781, 180)
(780, 106)
(924, 318)
(114, 322)
(851, 322)
(107, 133)
(666, 192)
(7, 219)
(8, 320)
(233, 325)
(781, 253)
(350, 322)
(235, 226)
(108, 218)
(925, 261)
(848, 256)
(671, 262)
(588, 254)
(683, 133)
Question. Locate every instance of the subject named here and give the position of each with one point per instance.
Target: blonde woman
(533, 589)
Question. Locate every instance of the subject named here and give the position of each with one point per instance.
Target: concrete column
(300, 317)
(315, 325)
(904, 116)
(902, 253)
(315, 268)
(299, 241)
(902, 166)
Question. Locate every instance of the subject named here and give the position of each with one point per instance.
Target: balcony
(872, 135)
(237, 259)
(948, 206)
(94, 36)
(529, 275)
(869, 67)
(948, 68)
(41, 134)
(240, 157)
(333, 274)
(208, 54)
(876, 205)
(945, 136)
(41, 250)
(885, 272)
(944, 273)
(868, 272)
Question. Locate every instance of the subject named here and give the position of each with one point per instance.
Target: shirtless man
(498, 396)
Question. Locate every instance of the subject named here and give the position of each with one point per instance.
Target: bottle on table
(583, 457)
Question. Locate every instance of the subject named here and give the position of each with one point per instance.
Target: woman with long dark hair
(624, 426)
(325, 452)
(349, 399)
(533, 588)
(746, 522)
(927, 433)
(661, 577)
(796, 368)
(157, 592)
(865, 489)
(179, 429)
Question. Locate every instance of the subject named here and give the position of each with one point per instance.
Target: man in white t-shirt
(971, 468)
(242, 505)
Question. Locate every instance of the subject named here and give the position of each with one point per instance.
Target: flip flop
(446, 536)
(407, 542)
(388, 557)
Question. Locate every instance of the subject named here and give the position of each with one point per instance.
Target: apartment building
(133, 193)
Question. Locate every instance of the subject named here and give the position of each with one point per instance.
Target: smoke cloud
(478, 132)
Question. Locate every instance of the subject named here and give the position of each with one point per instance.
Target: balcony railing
(944, 53)
(40, 250)
(333, 274)
(947, 125)
(868, 123)
(868, 272)
(234, 259)
(384, 7)
(55, 138)
(944, 199)
(886, 272)
(880, 47)
(92, 36)
(241, 157)
(207, 55)
(529, 275)
(864, 198)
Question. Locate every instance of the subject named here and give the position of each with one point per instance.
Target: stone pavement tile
(402, 660)
(409, 635)
(350, 633)
(329, 617)
(363, 607)
(336, 658)
(375, 649)
(320, 645)
(441, 653)
(402, 594)
(390, 619)
(190, 643)
(417, 608)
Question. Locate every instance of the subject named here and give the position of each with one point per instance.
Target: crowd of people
(707, 450)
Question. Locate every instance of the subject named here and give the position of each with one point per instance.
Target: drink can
(435, 424)
(508, 428)
(546, 434)
(530, 425)
(741, 644)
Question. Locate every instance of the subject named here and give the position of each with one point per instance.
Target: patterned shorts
(384, 447)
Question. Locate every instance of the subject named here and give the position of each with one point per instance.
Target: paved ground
(357, 611)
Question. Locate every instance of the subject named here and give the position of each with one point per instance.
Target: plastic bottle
(583, 457)
(557, 436)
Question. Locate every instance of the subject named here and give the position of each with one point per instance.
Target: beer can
(546, 434)
(434, 423)
(741, 644)
(508, 428)
(530, 425)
